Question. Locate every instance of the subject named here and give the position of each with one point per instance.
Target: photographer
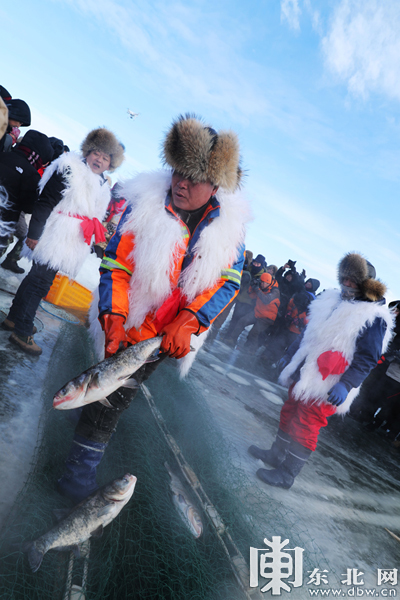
(265, 292)
(245, 304)
(289, 282)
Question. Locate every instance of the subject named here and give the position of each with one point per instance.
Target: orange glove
(176, 335)
(113, 327)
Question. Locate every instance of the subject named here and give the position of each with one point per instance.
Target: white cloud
(290, 12)
(164, 42)
(315, 17)
(362, 46)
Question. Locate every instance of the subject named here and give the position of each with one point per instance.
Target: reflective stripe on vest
(111, 264)
(185, 233)
(231, 275)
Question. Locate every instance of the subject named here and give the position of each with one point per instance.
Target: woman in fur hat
(172, 266)
(347, 332)
(74, 196)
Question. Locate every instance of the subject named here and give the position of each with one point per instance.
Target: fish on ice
(98, 382)
(85, 520)
(184, 505)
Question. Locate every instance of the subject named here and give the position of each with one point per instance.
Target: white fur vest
(334, 325)
(157, 238)
(62, 246)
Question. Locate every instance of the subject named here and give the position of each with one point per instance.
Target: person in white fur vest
(170, 269)
(348, 330)
(66, 219)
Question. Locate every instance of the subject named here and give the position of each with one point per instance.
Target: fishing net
(147, 552)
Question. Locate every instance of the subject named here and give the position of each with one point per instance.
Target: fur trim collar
(158, 238)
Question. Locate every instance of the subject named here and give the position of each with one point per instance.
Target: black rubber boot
(10, 261)
(285, 474)
(79, 478)
(277, 453)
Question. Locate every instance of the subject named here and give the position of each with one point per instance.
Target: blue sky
(312, 87)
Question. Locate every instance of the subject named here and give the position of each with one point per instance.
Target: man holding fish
(172, 266)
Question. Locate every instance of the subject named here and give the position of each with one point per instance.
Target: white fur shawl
(62, 246)
(334, 325)
(159, 237)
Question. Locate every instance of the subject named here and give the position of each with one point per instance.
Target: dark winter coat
(21, 181)
(288, 288)
(20, 178)
(49, 198)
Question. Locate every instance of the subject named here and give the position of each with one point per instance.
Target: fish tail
(35, 556)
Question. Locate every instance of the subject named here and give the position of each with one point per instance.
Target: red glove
(113, 327)
(176, 335)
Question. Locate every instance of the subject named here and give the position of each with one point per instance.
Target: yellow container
(68, 293)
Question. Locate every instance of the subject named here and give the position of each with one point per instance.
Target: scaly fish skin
(184, 505)
(98, 382)
(85, 520)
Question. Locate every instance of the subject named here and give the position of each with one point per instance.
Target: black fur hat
(103, 140)
(201, 154)
(362, 272)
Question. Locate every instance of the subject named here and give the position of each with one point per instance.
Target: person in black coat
(19, 115)
(20, 178)
(381, 389)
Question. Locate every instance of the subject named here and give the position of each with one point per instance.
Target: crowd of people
(174, 265)
(275, 301)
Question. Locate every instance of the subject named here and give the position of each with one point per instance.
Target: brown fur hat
(201, 154)
(103, 140)
(362, 272)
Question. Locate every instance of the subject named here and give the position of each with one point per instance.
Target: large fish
(184, 505)
(86, 520)
(98, 382)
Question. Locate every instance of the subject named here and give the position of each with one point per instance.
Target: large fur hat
(362, 272)
(201, 154)
(103, 140)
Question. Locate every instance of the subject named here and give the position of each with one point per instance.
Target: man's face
(288, 277)
(263, 285)
(350, 283)
(256, 264)
(98, 161)
(14, 123)
(188, 195)
(308, 285)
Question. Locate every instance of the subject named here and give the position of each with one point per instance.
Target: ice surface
(238, 379)
(271, 397)
(265, 384)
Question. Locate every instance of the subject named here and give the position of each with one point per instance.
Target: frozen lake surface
(342, 501)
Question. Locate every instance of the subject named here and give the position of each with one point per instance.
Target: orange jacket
(117, 268)
(295, 322)
(267, 301)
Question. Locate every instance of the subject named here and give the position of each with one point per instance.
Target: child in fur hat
(74, 196)
(348, 330)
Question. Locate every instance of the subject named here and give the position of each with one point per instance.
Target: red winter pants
(303, 421)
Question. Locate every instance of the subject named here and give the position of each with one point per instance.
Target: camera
(292, 264)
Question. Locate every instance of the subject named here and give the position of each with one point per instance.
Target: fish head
(195, 522)
(120, 490)
(72, 394)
